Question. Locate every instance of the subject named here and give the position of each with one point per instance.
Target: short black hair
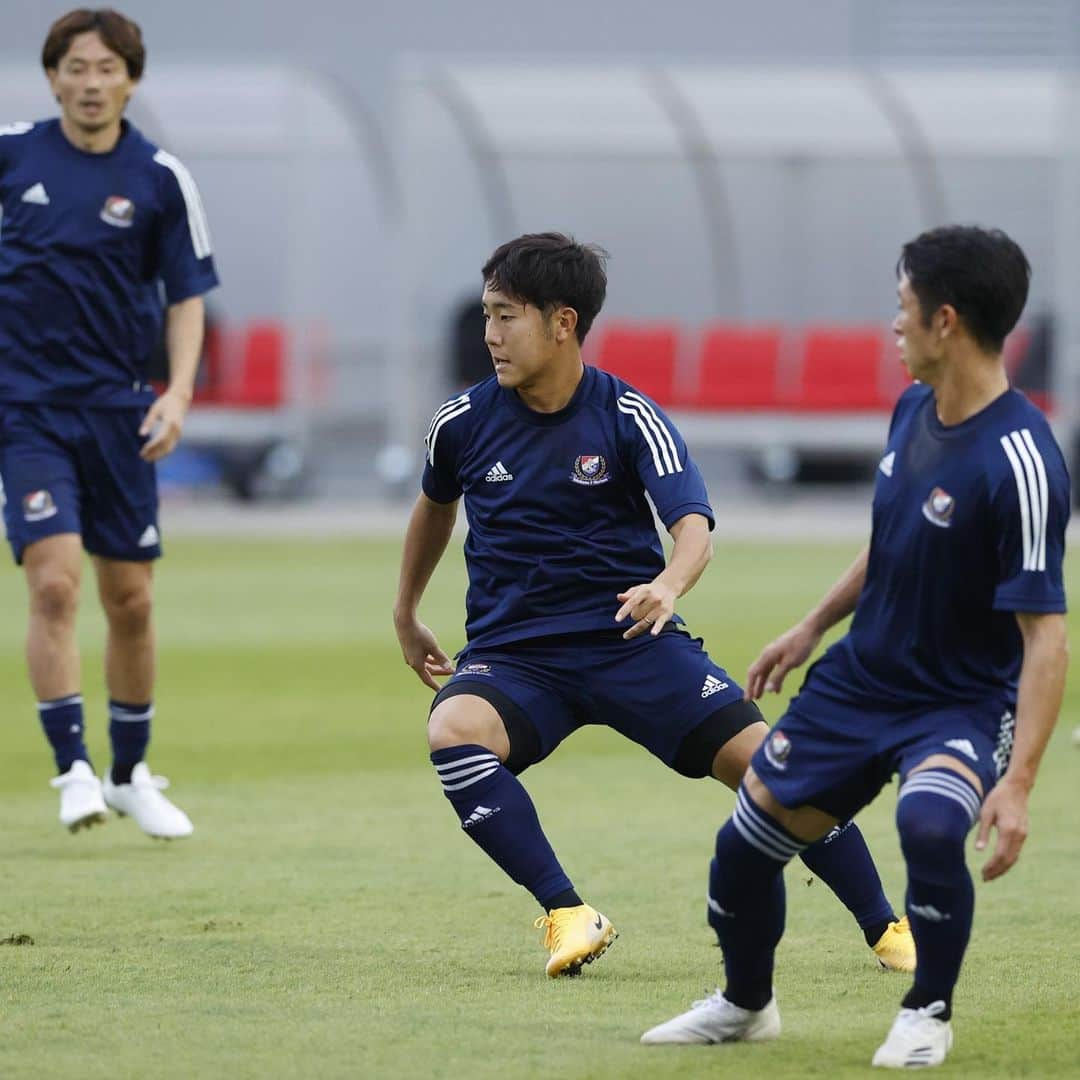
(549, 270)
(982, 273)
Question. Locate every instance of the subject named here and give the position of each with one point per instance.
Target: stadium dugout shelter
(754, 218)
(299, 191)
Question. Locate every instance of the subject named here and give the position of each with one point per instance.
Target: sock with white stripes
(934, 814)
(842, 860)
(497, 813)
(129, 733)
(747, 900)
(62, 721)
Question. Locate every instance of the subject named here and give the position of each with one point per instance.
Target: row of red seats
(732, 366)
(243, 367)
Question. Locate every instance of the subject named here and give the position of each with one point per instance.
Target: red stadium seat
(257, 379)
(739, 368)
(842, 369)
(643, 354)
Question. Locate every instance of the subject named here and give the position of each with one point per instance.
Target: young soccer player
(951, 674)
(96, 221)
(571, 608)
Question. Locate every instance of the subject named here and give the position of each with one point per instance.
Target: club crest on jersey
(118, 211)
(778, 750)
(938, 508)
(38, 505)
(590, 469)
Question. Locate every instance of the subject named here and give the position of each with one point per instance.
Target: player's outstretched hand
(788, 651)
(1005, 809)
(422, 653)
(163, 422)
(650, 606)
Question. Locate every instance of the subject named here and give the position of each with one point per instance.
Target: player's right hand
(788, 651)
(422, 653)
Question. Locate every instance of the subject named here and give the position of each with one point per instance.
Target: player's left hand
(163, 422)
(1006, 809)
(650, 606)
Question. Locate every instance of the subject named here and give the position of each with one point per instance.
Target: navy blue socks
(129, 733)
(746, 899)
(934, 814)
(62, 720)
(842, 860)
(497, 813)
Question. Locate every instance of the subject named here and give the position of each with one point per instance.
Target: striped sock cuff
(59, 703)
(463, 766)
(947, 784)
(126, 713)
(763, 833)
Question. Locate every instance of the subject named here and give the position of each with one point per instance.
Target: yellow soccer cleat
(895, 949)
(574, 936)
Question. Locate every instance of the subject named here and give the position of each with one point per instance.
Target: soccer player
(571, 609)
(951, 674)
(96, 221)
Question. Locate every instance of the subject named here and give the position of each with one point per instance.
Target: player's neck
(554, 390)
(968, 385)
(91, 142)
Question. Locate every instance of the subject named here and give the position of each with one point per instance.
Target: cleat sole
(87, 822)
(574, 967)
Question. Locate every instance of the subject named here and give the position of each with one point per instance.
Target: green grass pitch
(328, 919)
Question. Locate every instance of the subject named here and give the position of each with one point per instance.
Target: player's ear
(948, 320)
(565, 324)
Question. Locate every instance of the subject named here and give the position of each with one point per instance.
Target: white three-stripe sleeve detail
(1033, 497)
(665, 434)
(650, 441)
(449, 766)
(453, 403)
(196, 215)
(1022, 497)
(660, 452)
(470, 781)
(438, 426)
(1044, 497)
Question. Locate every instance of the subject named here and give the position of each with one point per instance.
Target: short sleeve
(1030, 511)
(664, 466)
(442, 449)
(186, 264)
(9, 142)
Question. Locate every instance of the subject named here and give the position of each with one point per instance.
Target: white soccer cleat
(142, 800)
(916, 1040)
(81, 801)
(717, 1020)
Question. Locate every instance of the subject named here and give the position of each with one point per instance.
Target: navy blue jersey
(86, 243)
(559, 522)
(968, 529)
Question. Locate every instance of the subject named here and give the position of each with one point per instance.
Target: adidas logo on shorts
(712, 685)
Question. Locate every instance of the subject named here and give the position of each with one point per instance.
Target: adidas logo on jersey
(887, 462)
(498, 473)
(149, 537)
(481, 813)
(712, 685)
(36, 194)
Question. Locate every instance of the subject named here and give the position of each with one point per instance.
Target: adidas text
(713, 685)
(498, 473)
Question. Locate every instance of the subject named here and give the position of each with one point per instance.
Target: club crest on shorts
(777, 750)
(938, 508)
(38, 505)
(476, 668)
(118, 211)
(590, 469)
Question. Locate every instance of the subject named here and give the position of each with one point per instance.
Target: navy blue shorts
(837, 755)
(654, 690)
(78, 471)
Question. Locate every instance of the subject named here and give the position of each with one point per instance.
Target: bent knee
(464, 720)
(128, 610)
